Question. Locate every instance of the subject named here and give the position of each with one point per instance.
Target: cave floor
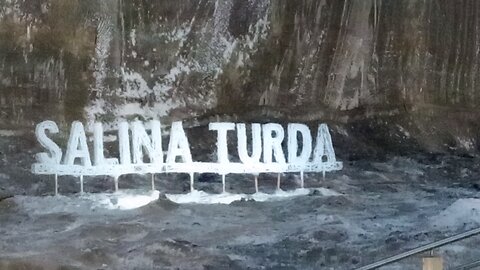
(382, 209)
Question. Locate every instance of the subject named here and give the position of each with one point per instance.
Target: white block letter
(222, 146)
(256, 143)
(77, 146)
(124, 143)
(54, 154)
(293, 129)
(273, 143)
(324, 146)
(98, 157)
(141, 140)
(178, 145)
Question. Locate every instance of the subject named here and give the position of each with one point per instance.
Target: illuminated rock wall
(306, 60)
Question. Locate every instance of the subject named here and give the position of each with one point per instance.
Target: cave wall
(114, 59)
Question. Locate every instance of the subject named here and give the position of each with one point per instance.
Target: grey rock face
(97, 58)
(386, 75)
(390, 77)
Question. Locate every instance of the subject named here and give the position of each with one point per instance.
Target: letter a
(178, 145)
(77, 146)
(324, 146)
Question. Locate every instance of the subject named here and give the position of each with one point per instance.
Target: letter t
(222, 147)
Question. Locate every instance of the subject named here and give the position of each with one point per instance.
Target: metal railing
(421, 249)
(467, 266)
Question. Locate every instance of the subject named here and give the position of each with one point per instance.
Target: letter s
(54, 154)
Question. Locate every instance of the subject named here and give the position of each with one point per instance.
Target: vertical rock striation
(115, 59)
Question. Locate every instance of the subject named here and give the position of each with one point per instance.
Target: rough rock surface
(397, 82)
(114, 59)
(382, 208)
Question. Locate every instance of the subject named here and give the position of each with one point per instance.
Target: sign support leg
(256, 183)
(302, 183)
(81, 184)
(223, 183)
(116, 183)
(56, 184)
(153, 181)
(192, 182)
(278, 182)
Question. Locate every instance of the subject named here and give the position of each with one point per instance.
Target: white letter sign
(77, 146)
(293, 129)
(178, 146)
(140, 150)
(55, 153)
(222, 147)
